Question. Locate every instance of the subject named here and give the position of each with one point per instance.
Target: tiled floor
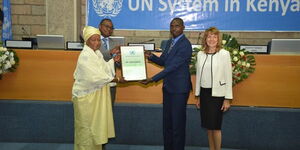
(60, 146)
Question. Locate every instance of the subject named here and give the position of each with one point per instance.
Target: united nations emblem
(107, 8)
(132, 52)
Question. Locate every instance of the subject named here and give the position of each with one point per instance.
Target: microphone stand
(146, 41)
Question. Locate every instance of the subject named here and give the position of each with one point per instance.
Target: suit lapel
(111, 43)
(174, 48)
(102, 46)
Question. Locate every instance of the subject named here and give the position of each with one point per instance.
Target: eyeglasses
(109, 27)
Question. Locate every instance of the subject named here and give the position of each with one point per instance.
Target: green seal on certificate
(133, 63)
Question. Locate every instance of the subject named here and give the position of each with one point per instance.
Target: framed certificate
(133, 63)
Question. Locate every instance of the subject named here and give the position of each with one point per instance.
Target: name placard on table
(147, 46)
(258, 49)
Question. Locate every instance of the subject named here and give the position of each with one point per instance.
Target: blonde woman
(213, 85)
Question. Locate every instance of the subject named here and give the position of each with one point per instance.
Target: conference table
(48, 75)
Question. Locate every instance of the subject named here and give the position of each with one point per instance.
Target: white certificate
(133, 63)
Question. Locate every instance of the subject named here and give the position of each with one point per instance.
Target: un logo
(107, 8)
(132, 52)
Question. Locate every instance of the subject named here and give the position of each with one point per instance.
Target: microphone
(25, 32)
(146, 41)
(28, 38)
(199, 35)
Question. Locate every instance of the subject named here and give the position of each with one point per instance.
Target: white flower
(242, 53)
(7, 65)
(243, 63)
(12, 61)
(234, 52)
(4, 57)
(223, 42)
(248, 65)
(3, 49)
(235, 59)
(7, 60)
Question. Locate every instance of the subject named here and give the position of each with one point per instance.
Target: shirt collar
(102, 37)
(177, 38)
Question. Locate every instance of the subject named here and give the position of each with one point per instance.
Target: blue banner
(6, 26)
(230, 15)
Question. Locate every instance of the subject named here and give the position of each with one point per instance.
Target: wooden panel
(48, 75)
(274, 83)
(41, 75)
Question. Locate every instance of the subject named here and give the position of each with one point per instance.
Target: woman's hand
(121, 80)
(117, 58)
(226, 105)
(198, 104)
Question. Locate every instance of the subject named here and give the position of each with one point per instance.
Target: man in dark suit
(109, 48)
(176, 84)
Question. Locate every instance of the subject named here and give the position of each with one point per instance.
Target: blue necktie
(171, 46)
(105, 43)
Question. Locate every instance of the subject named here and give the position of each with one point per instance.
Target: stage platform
(251, 128)
(62, 146)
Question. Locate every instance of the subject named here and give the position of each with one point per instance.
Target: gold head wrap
(88, 31)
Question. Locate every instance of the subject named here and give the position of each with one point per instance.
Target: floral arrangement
(8, 61)
(242, 61)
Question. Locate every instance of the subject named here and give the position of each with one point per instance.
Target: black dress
(210, 110)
